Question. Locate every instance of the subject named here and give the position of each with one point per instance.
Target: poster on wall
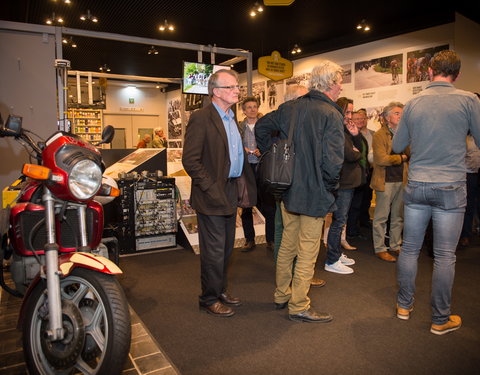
(417, 63)
(174, 119)
(300, 79)
(383, 71)
(347, 73)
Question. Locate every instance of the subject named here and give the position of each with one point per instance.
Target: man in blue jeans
(435, 124)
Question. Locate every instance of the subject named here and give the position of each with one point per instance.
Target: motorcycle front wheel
(96, 321)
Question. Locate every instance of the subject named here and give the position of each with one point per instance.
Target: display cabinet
(87, 123)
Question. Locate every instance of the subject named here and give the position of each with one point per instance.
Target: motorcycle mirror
(107, 134)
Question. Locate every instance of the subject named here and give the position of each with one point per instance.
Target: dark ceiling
(317, 26)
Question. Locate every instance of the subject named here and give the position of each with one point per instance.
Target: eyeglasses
(228, 87)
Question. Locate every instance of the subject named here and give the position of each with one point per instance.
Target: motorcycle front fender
(67, 262)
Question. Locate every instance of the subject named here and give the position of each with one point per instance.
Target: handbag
(243, 196)
(275, 167)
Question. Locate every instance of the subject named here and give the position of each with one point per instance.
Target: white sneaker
(345, 260)
(338, 267)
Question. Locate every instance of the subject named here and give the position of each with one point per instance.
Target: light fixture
(363, 26)
(64, 1)
(104, 68)
(89, 17)
(54, 20)
(256, 9)
(166, 26)
(295, 50)
(69, 42)
(152, 51)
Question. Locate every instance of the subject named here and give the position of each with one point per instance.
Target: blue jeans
(445, 204)
(339, 219)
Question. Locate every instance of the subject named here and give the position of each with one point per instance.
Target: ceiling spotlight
(256, 9)
(166, 26)
(68, 41)
(363, 26)
(104, 68)
(89, 17)
(152, 51)
(296, 49)
(54, 20)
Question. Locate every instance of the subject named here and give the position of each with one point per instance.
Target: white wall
(27, 89)
(147, 111)
(467, 45)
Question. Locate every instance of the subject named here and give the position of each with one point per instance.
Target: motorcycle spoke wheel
(98, 303)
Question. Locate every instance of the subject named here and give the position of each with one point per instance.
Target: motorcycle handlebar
(5, 132)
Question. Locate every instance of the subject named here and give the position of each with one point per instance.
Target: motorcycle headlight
(85, 179)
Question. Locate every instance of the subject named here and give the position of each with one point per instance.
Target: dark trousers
(216, 239)
(359, 213)
(267, 206)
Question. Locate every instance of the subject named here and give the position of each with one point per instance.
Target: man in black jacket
(318, 140)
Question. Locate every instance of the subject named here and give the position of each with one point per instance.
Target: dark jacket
(207, 161)
(318, 141)
(352, 174)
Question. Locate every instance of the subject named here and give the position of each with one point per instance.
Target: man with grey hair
(214, 157)
(388, 179)
(318, 142)
(159, 139)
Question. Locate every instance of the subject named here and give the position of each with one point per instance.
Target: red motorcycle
(74, 316)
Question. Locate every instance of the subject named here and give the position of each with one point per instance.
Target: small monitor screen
(14, 123)
(196, 76)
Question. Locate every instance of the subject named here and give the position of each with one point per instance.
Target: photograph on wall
(417, 63)
(373, 117)
(274, 94)
(347, 73)
(174, 119)
(379, 72)
(301, 79)
(258, 91)
(174, 161)
(175, 143)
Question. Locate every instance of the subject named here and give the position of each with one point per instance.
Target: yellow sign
(277, 2)
(275, 67)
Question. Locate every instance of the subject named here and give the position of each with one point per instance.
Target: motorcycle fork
(52, 273)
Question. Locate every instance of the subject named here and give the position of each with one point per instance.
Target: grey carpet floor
(363, 338)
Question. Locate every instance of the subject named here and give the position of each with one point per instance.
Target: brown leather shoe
(317, 283)
(218, 309)
(249, 246)
(395, 252)
(384, 255)
(347, 246)
(227, 299)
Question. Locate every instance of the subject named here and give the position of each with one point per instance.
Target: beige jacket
(382, 158)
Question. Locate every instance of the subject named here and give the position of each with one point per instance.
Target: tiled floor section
(145, 355)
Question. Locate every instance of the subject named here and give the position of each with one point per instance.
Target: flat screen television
(196, 76)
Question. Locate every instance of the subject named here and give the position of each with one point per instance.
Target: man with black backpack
(318, 143)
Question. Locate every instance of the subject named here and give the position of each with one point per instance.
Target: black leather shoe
(281, 306)
(249, 246)
(270, 245)
(229, 300)
(311, 316)
(218, 309)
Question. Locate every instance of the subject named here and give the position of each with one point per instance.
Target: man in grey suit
(214, 157)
